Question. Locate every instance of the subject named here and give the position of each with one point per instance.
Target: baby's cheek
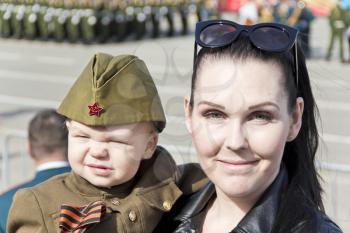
(76, 154)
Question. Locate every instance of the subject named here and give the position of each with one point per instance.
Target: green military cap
(114, 90)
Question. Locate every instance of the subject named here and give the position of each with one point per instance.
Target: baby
(121, 181)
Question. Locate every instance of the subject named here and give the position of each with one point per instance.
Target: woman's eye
(214, 115)
(261, 116)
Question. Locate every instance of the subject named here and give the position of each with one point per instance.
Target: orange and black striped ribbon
(79, 219)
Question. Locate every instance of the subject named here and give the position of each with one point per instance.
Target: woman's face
(240, 124)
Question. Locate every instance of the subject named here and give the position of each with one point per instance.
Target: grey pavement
(35, 75)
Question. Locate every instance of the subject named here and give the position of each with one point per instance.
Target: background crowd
(99, 20)
(114, 20)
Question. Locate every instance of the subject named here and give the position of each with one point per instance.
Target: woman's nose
(236, 137)
(99, 150)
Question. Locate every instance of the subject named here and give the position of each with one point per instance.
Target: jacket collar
(47, 173)
(259, 219)
(197, 202)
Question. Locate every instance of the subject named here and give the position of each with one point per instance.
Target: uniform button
(132, 216)
(115, 201)
(167, 205)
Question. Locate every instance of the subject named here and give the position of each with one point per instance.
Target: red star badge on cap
(95, 109)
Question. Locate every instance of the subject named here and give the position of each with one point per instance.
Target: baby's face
(109, 155)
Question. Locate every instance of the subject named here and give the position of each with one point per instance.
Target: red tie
(79, 219)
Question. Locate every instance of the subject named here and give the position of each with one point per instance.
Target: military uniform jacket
(134, 207)
(6, 198)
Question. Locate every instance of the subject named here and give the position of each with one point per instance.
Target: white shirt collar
(51, 165)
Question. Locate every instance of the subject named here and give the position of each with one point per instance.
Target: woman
(251, 115)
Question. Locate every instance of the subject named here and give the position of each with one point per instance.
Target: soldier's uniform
(170, 16)
(140, 18)
(346, 19)
(72, 21)
(154, 16)
(17, 20)
(88, 22)
(4, 24)
(122, 91)
(59, 19)
(31, 19)
(337, 25)
(105, 13)
(45, 23)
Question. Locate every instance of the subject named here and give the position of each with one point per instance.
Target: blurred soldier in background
(155, 17)
(47, 147)
(296, 14)
(345, 5)
(5, 20)
(104, 13)
(141, 11)
(45, 24)
(301, 19)
(205, 9)
(183, 9)
(72, 20)
(282, 11)
(31, 14)
(17, 19)
(88, 20)
(120, 21)
(337, 26)
(59, 19)
(170, 15)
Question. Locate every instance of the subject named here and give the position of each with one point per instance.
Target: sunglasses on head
(270, 37)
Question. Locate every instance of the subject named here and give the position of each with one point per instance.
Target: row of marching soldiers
(99, 20)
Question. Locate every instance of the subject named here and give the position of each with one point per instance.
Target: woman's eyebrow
(263, 104)
(204, 102)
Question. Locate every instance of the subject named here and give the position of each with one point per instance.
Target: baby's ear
(151, 145)
(68, 124)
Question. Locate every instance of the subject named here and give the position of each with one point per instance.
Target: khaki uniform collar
(155, 184)
(85, 188)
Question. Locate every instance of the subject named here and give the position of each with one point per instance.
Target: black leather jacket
(260, 219)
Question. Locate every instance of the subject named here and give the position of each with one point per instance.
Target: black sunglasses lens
(270, 38)
(217, 34)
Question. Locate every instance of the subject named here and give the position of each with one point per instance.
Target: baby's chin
(101, 184)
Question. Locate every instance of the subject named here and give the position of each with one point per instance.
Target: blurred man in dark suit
(47, 146)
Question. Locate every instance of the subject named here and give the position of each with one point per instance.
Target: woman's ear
(296, 120)
(188, 114)
(151, 145)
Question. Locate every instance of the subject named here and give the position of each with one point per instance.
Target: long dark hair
(299, 155)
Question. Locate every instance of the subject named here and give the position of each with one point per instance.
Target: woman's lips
(100, 170)
(237, 167)
(238, 163)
